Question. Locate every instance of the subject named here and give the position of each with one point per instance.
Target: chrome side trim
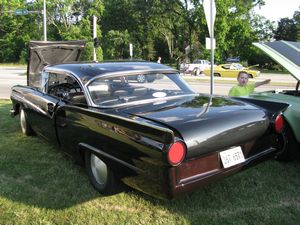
(91, 148)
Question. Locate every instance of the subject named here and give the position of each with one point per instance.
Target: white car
(197, 67)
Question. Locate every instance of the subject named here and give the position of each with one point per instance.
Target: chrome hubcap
(99, 169)
(22, 121)
(141, 78)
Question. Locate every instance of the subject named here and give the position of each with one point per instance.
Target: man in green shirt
(243, 88)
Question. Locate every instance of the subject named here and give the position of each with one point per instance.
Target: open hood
(43, 53)
(286, 53)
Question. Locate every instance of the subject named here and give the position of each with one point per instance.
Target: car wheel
(25, 126)
(141, 78)
(196, 71)
(100, 174)
(217, 75)
(287, 145)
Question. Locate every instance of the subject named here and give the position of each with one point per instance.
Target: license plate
(232, 157)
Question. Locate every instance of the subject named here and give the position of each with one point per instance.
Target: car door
(229, 71)
(41, 110)
(69, 95)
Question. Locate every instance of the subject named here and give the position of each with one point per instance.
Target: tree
(233, 28)
(263, 29)
(66, 20)
(16, 31)
(72, 20)
(286, 30)
(155, 28)
(123, 18)
(296, 18)
(116, 45)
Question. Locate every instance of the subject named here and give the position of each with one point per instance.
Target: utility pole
(210, 14)
(130, 50)
(45, 21)
(95, 38)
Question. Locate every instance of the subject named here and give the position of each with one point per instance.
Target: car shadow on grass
(34, 172)
(265, 194)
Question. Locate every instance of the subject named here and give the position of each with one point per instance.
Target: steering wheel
(61, 90)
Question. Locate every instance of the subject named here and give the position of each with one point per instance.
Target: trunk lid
(206, 123)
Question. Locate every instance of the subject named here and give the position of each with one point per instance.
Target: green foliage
(116, 45)
(263, 29)
(233, 31)
(172, 29)
(296, 18)
(286, 30)
(87, 55)
(66, 20)
(14, 31)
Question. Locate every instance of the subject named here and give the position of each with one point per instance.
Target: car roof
(286, 53)
(87, 71)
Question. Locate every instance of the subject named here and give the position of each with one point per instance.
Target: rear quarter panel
(137, 152)
(291, 114)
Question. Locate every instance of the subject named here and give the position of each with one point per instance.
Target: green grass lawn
(41, 185)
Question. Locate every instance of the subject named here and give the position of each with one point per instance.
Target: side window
(44, 83)
(53, 80)
(55, 84)
(65, 87)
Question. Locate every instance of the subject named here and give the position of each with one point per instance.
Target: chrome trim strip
(89, 147)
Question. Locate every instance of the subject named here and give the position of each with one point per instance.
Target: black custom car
(159, 137)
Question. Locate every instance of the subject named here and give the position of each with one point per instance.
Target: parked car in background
(233, 59)
(231, 70)
(287, 54)
(183, 66)
(141, 78)
(196, 67)
(161, 138)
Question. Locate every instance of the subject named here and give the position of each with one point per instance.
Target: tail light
(279, 122)
(176, 153)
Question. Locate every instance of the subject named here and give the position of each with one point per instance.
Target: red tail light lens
(176, 153)
(279, 123)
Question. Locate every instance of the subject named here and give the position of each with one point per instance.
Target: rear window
(125, 89)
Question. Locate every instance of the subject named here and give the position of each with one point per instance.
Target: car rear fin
(151, 131)
(270, 107)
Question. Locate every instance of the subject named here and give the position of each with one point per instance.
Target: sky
(274, 10)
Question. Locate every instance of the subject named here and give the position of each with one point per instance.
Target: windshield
(110, 91)
(237, 66)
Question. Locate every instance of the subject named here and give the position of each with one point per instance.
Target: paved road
(222, 85)
(10, 76)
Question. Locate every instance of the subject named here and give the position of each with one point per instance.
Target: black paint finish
(134, 139)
